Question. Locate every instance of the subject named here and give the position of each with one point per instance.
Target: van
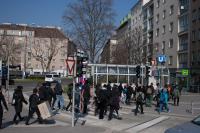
(52, 78)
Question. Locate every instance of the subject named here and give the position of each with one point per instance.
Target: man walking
(33, 106)
(139, 101)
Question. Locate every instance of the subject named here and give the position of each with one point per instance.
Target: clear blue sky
(48, 12)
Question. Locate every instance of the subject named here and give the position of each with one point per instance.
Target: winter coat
(18, 100)
(34, 101)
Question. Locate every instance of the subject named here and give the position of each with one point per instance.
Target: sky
(48, 12)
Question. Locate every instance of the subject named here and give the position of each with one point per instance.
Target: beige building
(42, 49)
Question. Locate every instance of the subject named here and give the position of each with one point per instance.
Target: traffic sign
(185, 72)
(162, 58)
(70, 62)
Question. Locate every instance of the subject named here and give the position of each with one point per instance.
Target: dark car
(189, 127)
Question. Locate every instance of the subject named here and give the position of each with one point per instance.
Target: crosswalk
(129, 123)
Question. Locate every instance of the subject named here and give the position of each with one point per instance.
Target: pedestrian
(97, 99)
(114, 102)
(129, 94)
(59, 96)
(43, 93)
(69, 94)
(2, 100)
(139, 100)
(77, 98)
(86, 96)
(33, 106)
(176, 96)
(102, 100)
(53, 96)
(163, 100)
(17, 101)
(149, 95)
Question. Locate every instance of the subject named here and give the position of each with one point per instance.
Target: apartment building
(148, 26)
(36, 44)
(165, 37)
(194, 20)
(108, 51)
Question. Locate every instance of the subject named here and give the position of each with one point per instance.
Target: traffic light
(147, 71)
(138, 71)
(84, 65)
(79, 68)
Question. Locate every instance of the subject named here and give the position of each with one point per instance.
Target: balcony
(183, 28)
(183, 47)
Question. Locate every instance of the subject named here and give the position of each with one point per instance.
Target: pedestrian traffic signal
(147, 71)
(138, 71)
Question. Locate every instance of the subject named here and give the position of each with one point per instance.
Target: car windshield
(56, 76)
(196, 120)
(49, 76)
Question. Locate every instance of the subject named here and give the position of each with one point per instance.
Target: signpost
(162, 59)
(71, 69)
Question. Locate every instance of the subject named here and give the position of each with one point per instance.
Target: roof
(41, 32)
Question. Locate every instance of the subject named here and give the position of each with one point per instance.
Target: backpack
(140, 98)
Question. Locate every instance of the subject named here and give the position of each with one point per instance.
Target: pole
(8, 78)
(25, 50)
(74, 83)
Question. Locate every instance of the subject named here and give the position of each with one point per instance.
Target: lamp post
(25, 50)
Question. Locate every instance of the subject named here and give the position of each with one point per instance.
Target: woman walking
(17, 102)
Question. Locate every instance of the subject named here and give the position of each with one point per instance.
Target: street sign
(185, 72)
(70, 62)
(162, 58)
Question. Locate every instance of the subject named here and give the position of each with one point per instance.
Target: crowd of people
(107, 98)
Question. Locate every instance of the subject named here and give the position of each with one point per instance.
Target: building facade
(42, 49)
(194, 41)
(165, 37)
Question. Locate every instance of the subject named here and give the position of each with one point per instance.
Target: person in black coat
(17, 102)
(2, 100)
(33, 106)
(86, 96)
(114, 102)
(102, 98)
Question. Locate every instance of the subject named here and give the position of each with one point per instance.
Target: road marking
(145, 125)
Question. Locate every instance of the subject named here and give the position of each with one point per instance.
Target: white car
(52, 78)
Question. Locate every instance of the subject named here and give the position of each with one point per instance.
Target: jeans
(59, 98)
(162, 104)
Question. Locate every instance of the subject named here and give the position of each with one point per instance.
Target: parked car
(52, 78)
(188, 127)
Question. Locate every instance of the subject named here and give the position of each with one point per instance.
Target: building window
(157, 18)
(199, 35)
(199, 14)
(164, 1)
(53, 67)
(158, 3)
(194, 15)
(193, 35)
(164, 14)
(171, 43)
(157, 32)
(163, 47)
(163, 31)
(61, 67)
(170, 60)
(171, 27)
(171, 10)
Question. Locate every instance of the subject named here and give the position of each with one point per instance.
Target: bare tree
(134, 46)
(9, 49)
(89, 23)
(44, 51)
